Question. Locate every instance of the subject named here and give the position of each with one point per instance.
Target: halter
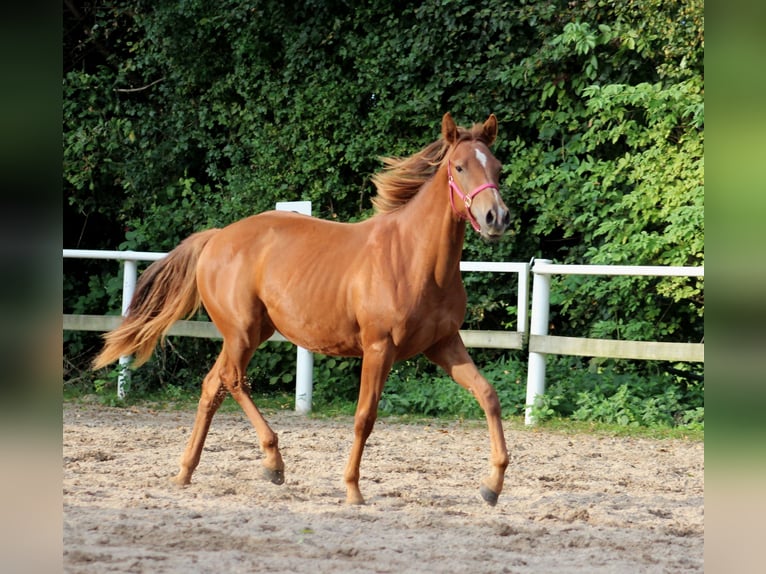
(467, 198)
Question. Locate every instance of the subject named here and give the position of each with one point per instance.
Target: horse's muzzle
(497, 221)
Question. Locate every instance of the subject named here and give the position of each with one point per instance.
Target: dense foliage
(184, 115)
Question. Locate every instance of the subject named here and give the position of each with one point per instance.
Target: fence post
(522, 301)
(129, 276)
(541, 290)
(304, 371)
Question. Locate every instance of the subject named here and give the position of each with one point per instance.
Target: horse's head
(473, 177)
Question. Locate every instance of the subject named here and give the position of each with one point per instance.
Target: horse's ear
(490, 129)
(449, 129)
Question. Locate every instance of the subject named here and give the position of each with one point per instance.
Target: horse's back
(295, 272)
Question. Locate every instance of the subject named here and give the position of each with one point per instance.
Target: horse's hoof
(489, 496)
(275, 476)
(178, 482)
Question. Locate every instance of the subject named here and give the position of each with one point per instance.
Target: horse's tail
(165, 292)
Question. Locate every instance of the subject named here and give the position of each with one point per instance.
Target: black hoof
(488, 495)
(275, 476)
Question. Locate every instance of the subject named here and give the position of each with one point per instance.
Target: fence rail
(617, 349)
(208, 330)
(545, 267)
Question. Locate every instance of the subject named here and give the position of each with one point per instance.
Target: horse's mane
(402, 177)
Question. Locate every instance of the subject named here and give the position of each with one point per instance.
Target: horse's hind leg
(228, 374)
(452, 356)
(234, 378)
(210, 399)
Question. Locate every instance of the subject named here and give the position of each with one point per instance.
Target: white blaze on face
(481, 157)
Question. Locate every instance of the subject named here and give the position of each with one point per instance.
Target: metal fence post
(304, 370)
(129, 276)
(541, 289)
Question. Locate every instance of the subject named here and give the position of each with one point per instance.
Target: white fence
(540, 343)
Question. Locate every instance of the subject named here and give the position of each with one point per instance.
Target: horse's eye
(459, 168)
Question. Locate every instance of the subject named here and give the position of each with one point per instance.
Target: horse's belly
(325, 346)
(315, 327)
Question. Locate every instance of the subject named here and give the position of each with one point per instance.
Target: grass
(175, 399)
(568, 426)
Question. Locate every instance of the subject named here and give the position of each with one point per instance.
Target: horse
(384, 289)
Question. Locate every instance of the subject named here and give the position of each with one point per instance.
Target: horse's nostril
(507, 218)
(490, 217)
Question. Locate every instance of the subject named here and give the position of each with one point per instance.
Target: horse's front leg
(451, 355)
(376, 364)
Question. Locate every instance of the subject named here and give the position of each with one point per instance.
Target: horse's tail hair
(165, 292)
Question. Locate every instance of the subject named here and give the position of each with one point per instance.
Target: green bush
(613, 392)
(436, 394)
(622, 393)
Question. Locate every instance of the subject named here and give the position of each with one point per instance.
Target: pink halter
(467, 198)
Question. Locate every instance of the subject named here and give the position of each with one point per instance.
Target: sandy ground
(571, 503)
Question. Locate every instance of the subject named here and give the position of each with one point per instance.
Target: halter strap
(467, 198)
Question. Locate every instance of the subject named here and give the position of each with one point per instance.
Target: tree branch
(142, 88)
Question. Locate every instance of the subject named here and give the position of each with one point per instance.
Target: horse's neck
(429, 224)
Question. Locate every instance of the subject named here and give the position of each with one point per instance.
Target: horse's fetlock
(271, 443)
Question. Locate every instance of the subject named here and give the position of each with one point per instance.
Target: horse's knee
(487, 397)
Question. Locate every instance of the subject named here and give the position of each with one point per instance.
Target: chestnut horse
(385, 289)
